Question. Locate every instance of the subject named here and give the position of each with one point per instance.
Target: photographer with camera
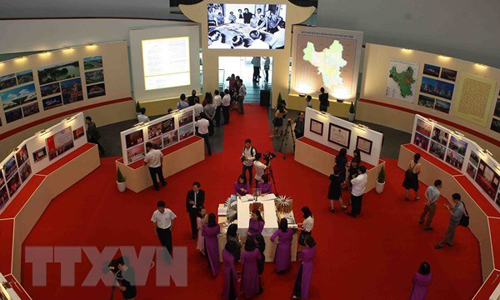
(125, 278)
(247, 158)
(299, 125)
(260, 168)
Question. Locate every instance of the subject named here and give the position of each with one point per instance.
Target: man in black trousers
(194, 200)
(163, 222)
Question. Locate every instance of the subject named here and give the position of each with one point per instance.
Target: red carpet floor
(370, 257)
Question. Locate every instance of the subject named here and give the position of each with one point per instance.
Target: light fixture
(361, 126)
(45, 53)
(69, 119)
(459, 134)
(68, 49)
(407, 50)
(486, 151)
(21, 58)
(91, 45)
(140, 124)
(480, 65)
(301, 95)
(44, 132)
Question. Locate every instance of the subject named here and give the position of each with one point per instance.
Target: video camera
(268, 157)
(113, 265)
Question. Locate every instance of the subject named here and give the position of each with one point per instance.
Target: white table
(270, 216)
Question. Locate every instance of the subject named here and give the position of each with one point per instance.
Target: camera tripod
(284, 140)
(271, 177)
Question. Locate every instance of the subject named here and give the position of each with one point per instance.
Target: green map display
(404, 80)
(329, 63)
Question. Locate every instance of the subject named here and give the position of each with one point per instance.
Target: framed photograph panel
(364, 145)
(316, 127)
(339, 135)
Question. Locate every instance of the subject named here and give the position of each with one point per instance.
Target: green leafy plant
(137, 107)
(381, 175)
(352, 109)
(119, 176)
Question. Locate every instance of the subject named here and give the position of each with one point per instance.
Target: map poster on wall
(402, 80)
(339, 135)
(475, 97)
(325, 57)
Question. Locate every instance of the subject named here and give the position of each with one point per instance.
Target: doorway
(243, 66)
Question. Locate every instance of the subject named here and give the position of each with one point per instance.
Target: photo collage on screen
(436, 90)
(18, 95)
(422, 134)
(60, 84)
(134, 143)
(186, 128)
(94, 76)
(495, 122)
(439, 142)
(246, 26)
(60, 143)
(10, 179)
(457, 148)
(488, 179)
(472, 164)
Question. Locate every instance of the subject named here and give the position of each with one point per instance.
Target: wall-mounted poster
(498, 199)
(24, 77)
(471, 170)
(487, 179)
(495, 125)
(50, 89)
(22, 155)
(442, 106)
(10, 167)
(30, 109)
(186, 118)
(185, 132)
(94, 76)
(59, 143)
(339, 135)
(437, 150)
(167, 125)
(4, 197)
(135, 153)
(78, 133)
(72, 90)
(474, 158)
(170, 138)
(94, 62)
(246, 26)
(58, 72)
(25, 171)
(157, 143)
(154, 130)
(316, 127)
(424, 127)
(455, 160)
(437, 88)
(425, 101)
(18, 96)
(364, 145)
(39, 154)
(96, 90)
(431, 70)
(402, 80)
(2, 179)
(448, 74)
(7, 81)
(440, 135)
(421, 141)
(13, 184)
(496, 112)
(52, 102)
(458, 145)
(13, 115)
(134, 138)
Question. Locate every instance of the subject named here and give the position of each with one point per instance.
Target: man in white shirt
(260, 168)
(154, 160)
(141, 117)
(358, 189)
(163, 222)
(197, 108)
(182, 103)
(248, 157)
(226, 103)
(242, 92)
(432, 195)
(202, 126)
(218, 107)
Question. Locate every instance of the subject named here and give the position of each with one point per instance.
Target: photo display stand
(37, 153)
(461, 153)
(337, 133)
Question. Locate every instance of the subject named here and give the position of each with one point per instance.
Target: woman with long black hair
(230, 290)
(283, 238)
(256, 223)
(306, 226)
(210, 232)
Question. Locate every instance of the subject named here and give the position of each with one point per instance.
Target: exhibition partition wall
(225, 33)
(336, 133)
(163, 132)
(398, 83)
(165, 61)
(326, 57)
(37, 153)
(461, 153)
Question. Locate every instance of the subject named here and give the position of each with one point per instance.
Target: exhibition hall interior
(264, 149)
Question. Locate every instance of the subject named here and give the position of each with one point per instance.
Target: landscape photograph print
(58, 72)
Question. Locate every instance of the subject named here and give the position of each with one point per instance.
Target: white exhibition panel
(40, 151)
(356, 131)
(163, 132)
(326, 57)
(270, 217)
(460, 153)
(165, 61)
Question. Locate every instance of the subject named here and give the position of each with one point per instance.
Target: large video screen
(166, 63)
(246, 26)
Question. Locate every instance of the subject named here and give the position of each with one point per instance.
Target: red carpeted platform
(371, 257)
(6, 234)
(20, 199)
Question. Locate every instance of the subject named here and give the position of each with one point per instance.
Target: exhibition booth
(450, 106)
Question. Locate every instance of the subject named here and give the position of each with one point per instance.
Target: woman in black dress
(352, 171)
(411, 177)
(335, 190)
(341, 162)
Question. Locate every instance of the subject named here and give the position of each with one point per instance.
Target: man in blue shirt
(183, 103)
(432, 195)
(456, 213)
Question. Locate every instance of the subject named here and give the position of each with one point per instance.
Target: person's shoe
(164, 184)
(406, 198)
(439, 246)
(352, 215)
(420, 222)
(428, 228)
(451, 245)
(417, 198)
(332, 210)
(344, 207)
(157, 189)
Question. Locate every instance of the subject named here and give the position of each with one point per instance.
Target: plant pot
(121, 186)
(351, 117)
(379, 187)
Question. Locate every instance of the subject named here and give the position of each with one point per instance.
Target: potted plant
(120, 180)
(137, 108)
(379, 187)
(352, 112)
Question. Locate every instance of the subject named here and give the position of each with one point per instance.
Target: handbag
(409, 173)
(464, 221)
